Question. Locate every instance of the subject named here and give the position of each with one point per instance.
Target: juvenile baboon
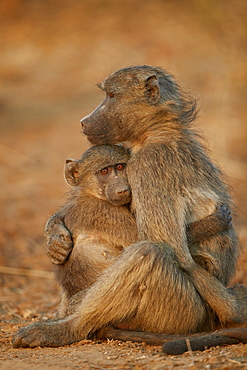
(173, 183)
(99, 221)
(96, 216)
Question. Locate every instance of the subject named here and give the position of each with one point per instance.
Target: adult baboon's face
(132, 97)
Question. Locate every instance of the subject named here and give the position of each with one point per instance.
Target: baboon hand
(59, 246)
(58, 238)
(226, 216)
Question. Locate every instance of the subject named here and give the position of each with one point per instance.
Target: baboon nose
(121, 192)
(81, 120)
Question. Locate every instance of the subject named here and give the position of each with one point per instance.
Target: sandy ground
(25, 301)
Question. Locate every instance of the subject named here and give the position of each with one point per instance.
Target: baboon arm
(165, 222)
(157, 202)
(210, 226)
(178, 344)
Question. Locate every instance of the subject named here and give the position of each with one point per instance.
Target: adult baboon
(173, 180)
(173, 183)
(98, 217)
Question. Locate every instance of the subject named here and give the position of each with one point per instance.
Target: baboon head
(137, 98)
(101, 172)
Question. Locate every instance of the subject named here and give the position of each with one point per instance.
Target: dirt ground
(52, 55)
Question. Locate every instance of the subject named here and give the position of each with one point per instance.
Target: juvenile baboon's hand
(59, 247)
(59, 240)
(44, 334)
(226, 216)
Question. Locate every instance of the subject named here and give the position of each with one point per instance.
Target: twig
(26, 272)
(190, 351)
(14, 158)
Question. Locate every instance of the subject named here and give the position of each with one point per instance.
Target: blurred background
(53, 52)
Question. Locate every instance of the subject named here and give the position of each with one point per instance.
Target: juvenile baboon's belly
(95, 250)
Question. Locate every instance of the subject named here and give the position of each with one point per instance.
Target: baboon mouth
(84, 132)
(120, 202)
(97, 139)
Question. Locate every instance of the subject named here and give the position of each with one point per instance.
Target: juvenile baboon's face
(132, 95)
(101, 172)
(113, 184)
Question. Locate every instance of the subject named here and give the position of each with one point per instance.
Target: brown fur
(173, 183)
(177, 183)
(178, 344)
(99, 221)
(236, 334)
(97, 216)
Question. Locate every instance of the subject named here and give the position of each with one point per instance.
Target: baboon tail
(200, 343)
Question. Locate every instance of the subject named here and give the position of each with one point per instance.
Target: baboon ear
(153, 89)
(71, 172)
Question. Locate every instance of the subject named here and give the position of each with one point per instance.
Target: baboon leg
(216, 269)
(61, 312)
(86, 262)
(197, 342)
(129, 290)
(214, 293)
(199, 231)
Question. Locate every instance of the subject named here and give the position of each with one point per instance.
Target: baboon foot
(45, 334)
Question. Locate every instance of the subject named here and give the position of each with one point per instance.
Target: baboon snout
(123, 196)
(93, 129)
(123, 192)
(119, 196)
(83, 121)
(93, 115)
(86, 121)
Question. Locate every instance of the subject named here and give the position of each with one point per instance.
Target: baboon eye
(104, 171)
(110, 95)
(120, 166)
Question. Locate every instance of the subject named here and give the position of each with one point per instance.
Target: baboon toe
(29, 336)
(42, 334)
